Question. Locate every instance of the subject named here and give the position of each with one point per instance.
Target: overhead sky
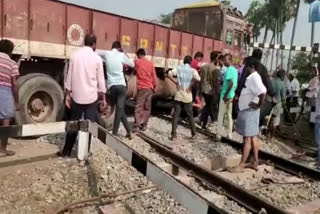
(151, 9)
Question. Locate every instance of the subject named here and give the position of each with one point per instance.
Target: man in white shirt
(294, 85)
(250, 101)
(116, 83)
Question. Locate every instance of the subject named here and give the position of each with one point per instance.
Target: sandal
(7, 153)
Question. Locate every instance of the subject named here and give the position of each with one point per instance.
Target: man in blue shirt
(227, 95)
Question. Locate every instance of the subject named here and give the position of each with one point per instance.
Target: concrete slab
(310, 208)
(222, 162)
(114, 209)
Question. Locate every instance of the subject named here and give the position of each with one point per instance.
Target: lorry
(46, 32)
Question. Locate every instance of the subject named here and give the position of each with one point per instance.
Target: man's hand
(226, 99)
(102, 102)
(274, 101)
(254, 105)
(68, 101)
(17, 106)
(103, 105)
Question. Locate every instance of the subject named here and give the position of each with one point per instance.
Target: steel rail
(233, 191)
(283, 164)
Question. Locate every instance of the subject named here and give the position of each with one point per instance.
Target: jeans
(143, 106)
(225, 109)
(118, 95)
(89, 111)
(210, 109)
(317, 137)
(177, 110)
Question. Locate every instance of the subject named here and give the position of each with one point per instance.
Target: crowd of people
(246, 95)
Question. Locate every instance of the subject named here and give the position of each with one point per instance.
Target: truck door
(78, 24)
(107, 29)
(47, 28)
(15, 24)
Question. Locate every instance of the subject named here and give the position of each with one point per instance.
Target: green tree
(253, 16)
(301, 62)
(293, 31)
(165, 18)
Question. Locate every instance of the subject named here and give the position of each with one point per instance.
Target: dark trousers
(143, 106)
(118, 95)
(210, 109)
(178, 106)
(89, 111)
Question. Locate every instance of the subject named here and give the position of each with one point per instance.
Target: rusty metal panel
(174, 44)
(186, 45)
(107, 29)
(15, 24)
(146, 37)
(208, 48)
(47, 28)
(197, 44)
(129, 33)
(161, 46)
(78, 24)
(174, 48)
(161, 41)
(218, 46)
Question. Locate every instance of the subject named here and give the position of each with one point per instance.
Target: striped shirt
(8, 69)
(185, 75)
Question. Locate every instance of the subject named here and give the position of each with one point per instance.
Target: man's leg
(122, 103)
(147, 107)
(4, 141)
(76, 114)
(214, 107)
(114, 91)
(230, 120)
(205, 112)
(317, 136)
(245, 154)
(138, 114)
(177, 111)
(222, 110)
(188, 108)
(90, 113)
(255, 147)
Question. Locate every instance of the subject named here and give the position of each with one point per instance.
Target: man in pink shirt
(85, 85)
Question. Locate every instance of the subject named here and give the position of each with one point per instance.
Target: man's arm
(101, 86)
(196, 75)
(126, 60)
(154, 78)
(266, 81)
(242, 81)
(68, 84)
(230, 84)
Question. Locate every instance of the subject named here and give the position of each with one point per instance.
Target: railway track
(196, 188)
(178, 165)
(280, 163)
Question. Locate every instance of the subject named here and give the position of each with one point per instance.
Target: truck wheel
(41, 99)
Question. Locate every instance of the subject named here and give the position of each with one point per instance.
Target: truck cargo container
(46, 32)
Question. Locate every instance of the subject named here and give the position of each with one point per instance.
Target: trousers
(210, 109)
(178, 106)
(143, 106)
(118, 95)
(89, 111)
(225, 109)
(317, 137)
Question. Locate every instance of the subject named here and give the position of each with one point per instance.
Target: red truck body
(46, 32)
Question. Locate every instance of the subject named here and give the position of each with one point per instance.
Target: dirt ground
(35, 181)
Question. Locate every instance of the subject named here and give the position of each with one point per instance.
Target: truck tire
(40, 98)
